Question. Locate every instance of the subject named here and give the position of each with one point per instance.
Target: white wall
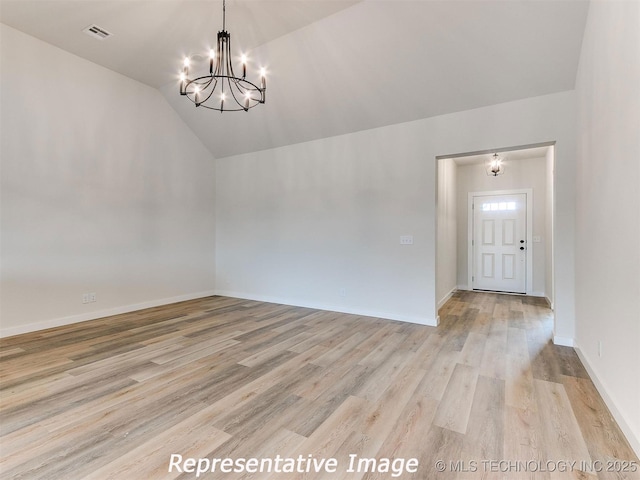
(446, 204)
(519, 174)
(296, 224)
(104, 189)
(608, 208)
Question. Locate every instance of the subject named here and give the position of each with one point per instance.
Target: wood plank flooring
(486, 393)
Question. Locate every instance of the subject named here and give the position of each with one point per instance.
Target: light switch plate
(536, 239)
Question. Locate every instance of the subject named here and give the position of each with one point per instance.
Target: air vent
(97, 32)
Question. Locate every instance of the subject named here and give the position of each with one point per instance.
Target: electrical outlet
(343, 292)
(89, 297)
(406, 240)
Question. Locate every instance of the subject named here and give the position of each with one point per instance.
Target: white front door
(499, 243)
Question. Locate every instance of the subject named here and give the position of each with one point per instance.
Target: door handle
(521, 248)
(521, 241)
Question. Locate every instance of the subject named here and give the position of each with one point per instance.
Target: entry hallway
(221, 377)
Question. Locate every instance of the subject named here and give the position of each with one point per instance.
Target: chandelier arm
(233, 84)
(203, 85)
(242, 90)
(228, 59)
(246, 91)
(212, 90)
(220, 55)
(234, 95)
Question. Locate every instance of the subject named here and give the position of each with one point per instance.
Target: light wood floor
(221, 377)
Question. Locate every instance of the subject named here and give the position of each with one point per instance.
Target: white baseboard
(331, 308)
(632, 438)
(530, 294)
(563, 341)
(83, 317)
(447, 297)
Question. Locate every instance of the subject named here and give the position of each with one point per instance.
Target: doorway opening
(496, 232)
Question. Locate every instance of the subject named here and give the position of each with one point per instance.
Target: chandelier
(221, 89)
(495, 166)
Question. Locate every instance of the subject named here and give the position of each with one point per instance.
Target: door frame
(528, 192)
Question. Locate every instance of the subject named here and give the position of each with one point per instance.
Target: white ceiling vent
(97, 32)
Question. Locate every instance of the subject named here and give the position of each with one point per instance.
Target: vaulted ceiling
(335, 66)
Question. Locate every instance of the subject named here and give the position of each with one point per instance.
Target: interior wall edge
(563, 341)
(546, 297)
(84, 317)
(619, 417)
(446, 298)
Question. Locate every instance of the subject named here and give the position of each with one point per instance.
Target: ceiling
(151, 37)
(334, 66)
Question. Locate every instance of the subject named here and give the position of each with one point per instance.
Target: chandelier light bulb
(186, 62)
(212, 54)
(247, 98)
(263, 78)
(196, 95)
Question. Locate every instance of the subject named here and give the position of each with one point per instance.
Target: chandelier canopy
(221, 89)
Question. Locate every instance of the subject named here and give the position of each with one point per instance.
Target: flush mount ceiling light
(221, 89)
(495, 166)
